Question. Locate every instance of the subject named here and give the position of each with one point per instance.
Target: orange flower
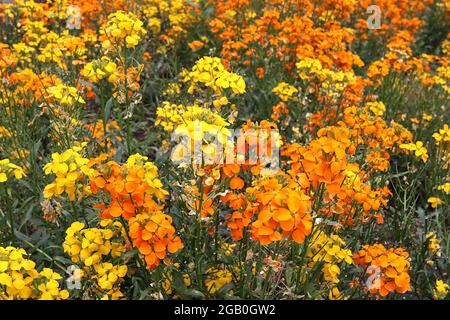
(260, 73)
(196, 45)
(154, 236)
(97, 131)
(273, 209)
(282, 212)
(324, 165)
(132, 187)
(390, 267)
(236, 183)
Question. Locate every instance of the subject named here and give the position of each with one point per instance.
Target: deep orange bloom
(390, 268)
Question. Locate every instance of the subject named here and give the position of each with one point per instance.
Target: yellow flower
(8, 169)
(378, 108)
(433, 244)
(222, 101)
(419, 150)
(108, 274)
(122, 28)
(332, 82)
(210, 72)
(4, 133)
(443, 135)
(65, 95)
(329, 251)
(308, 67)
(427, 117)
(89, 245)
(216, 279)
(20, 280)
(284, 91)
(228, 248)
(169, 115)
(445, 187)
(99, 69)
(70, 168)
(441, 290)
(435, 202)
(335, 294)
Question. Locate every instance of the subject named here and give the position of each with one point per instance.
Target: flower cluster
(64, 95)
(419, 150)
(250, 35)
(216, 279)
(108, 275)
(388, 268)
(323, 166)
(154, 236)
(60, 49)
(376, 107)
(369, 129)
(333, 83)
(200, 127)
(329, 250)
(89, 245)
(20, 280)
(71, 169)
(211, 73)
(99, 69)
(281, 211)
(121, 29)
(441, 290)
(169, 115)
(434, 246)
(8, 169)
(90, 248)
(284, 91)
(131, 187)
(169, 20)
(443, 135)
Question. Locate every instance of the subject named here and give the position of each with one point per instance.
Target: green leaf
(192, 294)
(108, 108)
(222, 292)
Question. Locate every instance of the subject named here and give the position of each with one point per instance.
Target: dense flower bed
(128, 135)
